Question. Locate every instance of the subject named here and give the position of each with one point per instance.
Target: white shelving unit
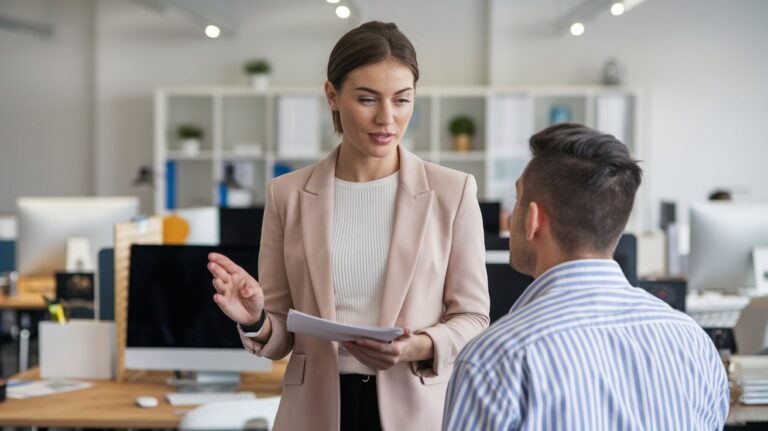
(505, 117)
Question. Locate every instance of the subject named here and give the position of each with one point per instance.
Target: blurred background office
(100, 97)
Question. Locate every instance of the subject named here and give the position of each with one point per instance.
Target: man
(582, 349)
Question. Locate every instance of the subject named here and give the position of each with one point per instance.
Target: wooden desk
(742, 414)
(29, 293)
(109, 404)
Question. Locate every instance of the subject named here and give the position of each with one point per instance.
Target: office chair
(256, 414)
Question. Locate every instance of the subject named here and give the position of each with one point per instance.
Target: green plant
(462, 125)
(190, 132)
(256, 66)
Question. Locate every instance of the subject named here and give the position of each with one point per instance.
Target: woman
(371, 235)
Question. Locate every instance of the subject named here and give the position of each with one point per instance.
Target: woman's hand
(381, 355)
(237, 293)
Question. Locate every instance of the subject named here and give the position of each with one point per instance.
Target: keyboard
(196, 398)
(716, 318)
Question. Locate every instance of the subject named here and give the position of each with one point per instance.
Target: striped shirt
(584, 350)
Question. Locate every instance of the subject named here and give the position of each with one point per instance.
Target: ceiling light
(617, 9)
(212, 31)
(577, 29)
(333, 1)
(343, 12)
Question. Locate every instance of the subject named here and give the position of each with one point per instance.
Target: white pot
(259, 81)
(190, 146)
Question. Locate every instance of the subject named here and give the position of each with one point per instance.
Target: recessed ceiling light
(343, 12)
(617, 9)
(212, 31)
(333, 1)
(577, 29)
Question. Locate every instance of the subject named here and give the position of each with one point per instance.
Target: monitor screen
(491, 212)
(723, 236)
(240, 226)
(46, 224)
(173, 322)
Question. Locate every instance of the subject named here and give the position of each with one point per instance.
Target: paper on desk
(303, 323)
(20, 389)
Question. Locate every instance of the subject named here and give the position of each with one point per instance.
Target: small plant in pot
(462, 129)
(189, 137)
(258, 74)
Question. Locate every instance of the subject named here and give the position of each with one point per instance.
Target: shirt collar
(583, 271)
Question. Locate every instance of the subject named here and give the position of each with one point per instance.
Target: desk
(742, 413)
(29, 293)
(109, 404)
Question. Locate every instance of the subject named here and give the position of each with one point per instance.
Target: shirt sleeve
(482, 398)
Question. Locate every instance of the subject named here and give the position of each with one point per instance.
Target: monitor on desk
(173, 323)
(46, 224)
(723, 236)
(240, 226)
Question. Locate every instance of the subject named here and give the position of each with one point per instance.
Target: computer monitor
(240, 226)
(173, 323)
(723, 236)
(46, 224)
(203, 225)
(491, 212)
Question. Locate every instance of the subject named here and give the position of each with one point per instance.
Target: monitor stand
(206, 381)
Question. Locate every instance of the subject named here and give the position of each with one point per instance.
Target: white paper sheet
(303, 323)
(20, 389)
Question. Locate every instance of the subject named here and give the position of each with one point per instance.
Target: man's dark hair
(586, 181)
(720, 195)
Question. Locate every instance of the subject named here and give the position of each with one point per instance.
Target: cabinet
(266, 133)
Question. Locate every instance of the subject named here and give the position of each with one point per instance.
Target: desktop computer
(173, 323)
(240, 226)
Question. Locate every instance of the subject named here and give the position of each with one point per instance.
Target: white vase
(190, 146)
(259, 81)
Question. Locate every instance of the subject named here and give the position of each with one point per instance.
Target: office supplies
(197, 398)
(21, 389)
(310, 325)
(79, 349)
(255, 415)
(147, 402)
(172, 321)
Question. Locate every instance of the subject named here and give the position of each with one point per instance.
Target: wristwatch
(255, 329)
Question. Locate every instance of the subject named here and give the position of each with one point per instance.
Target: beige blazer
(435, 283)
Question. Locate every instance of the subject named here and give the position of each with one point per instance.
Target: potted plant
(462, 129)
(258, 74)
(189, 137)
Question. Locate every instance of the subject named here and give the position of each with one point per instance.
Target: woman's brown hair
(366, 44)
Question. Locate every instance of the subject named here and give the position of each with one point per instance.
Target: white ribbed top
(362, 227)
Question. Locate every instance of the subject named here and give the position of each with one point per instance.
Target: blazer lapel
(412, 208)
(316, 225)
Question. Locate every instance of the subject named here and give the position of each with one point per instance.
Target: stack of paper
(751, 374)
(302, 323)
(21, 389)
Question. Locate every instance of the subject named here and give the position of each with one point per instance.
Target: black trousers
(359, 403)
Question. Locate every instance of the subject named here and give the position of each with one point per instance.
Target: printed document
(303, 323)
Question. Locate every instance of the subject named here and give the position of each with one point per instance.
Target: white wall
(46, 109)
(704, 64)
(139, 50)
(702, 61)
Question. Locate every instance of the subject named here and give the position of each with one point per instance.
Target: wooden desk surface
(109, 404)
(30, 291)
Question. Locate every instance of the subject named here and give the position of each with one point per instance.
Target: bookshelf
(287, 128)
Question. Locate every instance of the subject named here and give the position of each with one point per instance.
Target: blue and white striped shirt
(584, 350)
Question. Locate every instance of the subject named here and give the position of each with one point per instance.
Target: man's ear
(533, 220)
(330, 95)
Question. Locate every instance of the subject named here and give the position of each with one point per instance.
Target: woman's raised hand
(237, 293)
